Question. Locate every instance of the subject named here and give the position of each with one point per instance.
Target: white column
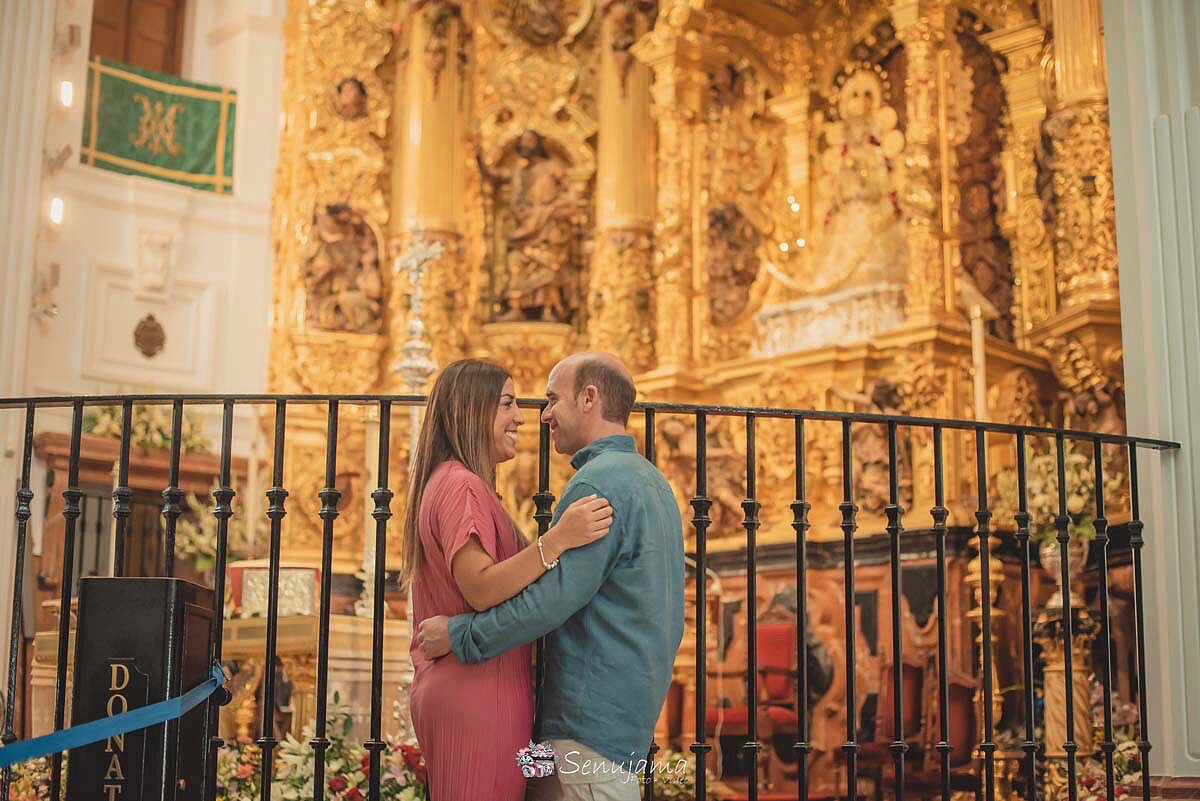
(26, 39)
(1154, 96)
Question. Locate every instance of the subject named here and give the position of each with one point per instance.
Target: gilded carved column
(330, 308)
(922, 26)
(620, 295)
(1048, 634)
(427, 175)
(1085, 215)
(1024, 222)
(672, 51)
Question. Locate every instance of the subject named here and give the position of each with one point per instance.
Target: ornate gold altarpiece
(798, 203)
(777, 203)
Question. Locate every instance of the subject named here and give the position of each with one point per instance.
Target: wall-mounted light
(783, 247)
(56, 210)
(66, 93)
(801, 242)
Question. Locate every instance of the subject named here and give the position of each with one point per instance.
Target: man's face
(562, 413)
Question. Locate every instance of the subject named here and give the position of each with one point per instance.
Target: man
(611, 611)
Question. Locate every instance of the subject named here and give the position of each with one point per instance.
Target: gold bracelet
(542, 554)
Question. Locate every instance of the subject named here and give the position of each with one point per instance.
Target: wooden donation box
(139, 641)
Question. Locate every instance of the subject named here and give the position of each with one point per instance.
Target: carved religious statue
(1098, 408)
(863, 233)
(539, 22)
(342, 280)
(537, 280)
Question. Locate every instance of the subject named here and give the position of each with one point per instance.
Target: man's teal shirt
(611, 612)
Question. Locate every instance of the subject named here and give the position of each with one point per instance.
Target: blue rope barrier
(97, 730)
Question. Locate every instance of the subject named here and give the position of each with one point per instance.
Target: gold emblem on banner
(156, 127)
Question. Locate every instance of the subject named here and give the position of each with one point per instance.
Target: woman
(463, 553)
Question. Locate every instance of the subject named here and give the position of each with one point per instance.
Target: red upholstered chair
(776, 703)
(875, 755)
(964, 737)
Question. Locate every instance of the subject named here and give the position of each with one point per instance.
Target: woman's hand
(585, 521)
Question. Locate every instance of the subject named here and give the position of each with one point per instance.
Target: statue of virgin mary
(862, 241)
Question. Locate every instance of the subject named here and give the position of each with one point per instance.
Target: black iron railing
(329, 497)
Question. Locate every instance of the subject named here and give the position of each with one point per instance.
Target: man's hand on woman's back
(433, 636)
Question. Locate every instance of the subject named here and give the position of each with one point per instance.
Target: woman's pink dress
(469, 719)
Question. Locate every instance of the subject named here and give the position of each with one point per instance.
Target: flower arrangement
(150, 427)
(1127, 759)
(196, 535)
(239, 768)
(402, 770)
(674, 776)
(31, 780)
(1041, 477)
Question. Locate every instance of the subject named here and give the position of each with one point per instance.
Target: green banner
(139, 122)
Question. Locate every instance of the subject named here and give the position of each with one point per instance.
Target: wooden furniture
(775, 708)
(98, 457)
(964, 737)
(875, 756)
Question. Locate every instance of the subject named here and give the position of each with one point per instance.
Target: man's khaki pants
(580, 774)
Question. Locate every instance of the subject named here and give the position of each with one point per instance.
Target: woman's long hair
(458, 425)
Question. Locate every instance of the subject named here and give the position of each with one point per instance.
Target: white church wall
(130, 247)
(26, 33)
(1154, 99)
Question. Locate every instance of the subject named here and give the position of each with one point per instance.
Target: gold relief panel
(742, 179)
(675, 446)
(327, 259)
(338, 103)
(1017, 398)
(1002, 13)
(536, 84)
(527, 350)
(537, 23)
(1094, 384)
(342, 364)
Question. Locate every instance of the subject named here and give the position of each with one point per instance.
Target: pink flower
(353, 794)
(244, 771)
(338, 783)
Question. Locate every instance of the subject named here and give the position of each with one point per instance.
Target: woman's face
(504, 427)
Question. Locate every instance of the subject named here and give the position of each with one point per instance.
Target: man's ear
(591, 397)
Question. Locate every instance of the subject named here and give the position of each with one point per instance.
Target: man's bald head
(609, 376)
